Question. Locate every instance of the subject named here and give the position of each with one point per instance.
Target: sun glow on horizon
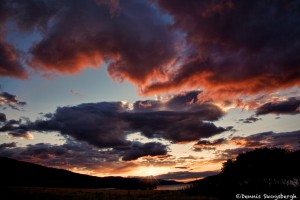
(151, 170)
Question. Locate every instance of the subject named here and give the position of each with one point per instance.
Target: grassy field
(33, 193)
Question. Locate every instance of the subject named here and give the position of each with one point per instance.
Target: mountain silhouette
(19, 173)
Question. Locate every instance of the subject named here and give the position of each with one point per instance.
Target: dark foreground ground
(33, 193)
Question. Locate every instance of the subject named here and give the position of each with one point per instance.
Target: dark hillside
(18, 173)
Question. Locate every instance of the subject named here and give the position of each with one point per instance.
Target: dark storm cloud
(71, 154)
(28, 15)
(208, 145)
(7, 145)
(74, 154)
(185, 103)
(2, 117)
(20, 133)
(32, 14)
(148, 106)
(107, 124)
(242, 47)
(79, 34)
(138, 150)
(180, 119)
(186, 175)
(179, 102)
(173, 126)
(10, 57)
(97, 123)
(15, 129)
(215, 142)
(11, 125)
(290, 106)
(227, 48)
(10, 100)
(10, 64)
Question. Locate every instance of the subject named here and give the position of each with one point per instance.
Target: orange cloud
(222, 48)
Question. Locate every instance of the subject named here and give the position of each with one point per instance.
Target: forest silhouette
(271, 171)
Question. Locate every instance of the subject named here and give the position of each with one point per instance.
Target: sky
(164, 88)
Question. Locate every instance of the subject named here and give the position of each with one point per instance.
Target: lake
(172, 187)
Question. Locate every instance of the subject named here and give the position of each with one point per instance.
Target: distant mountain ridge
(19, 173)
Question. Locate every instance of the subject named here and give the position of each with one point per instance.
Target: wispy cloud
(289, 140)
(10, 100)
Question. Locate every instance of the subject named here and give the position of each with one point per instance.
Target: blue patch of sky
(270, 122)
(46, 94)
(20, 39)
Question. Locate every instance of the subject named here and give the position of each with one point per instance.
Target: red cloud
(80, 34)
(86, 35)
(228, 49)
(240, 49)
(9, 62)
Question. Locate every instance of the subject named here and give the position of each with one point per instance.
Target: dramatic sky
(169, 88)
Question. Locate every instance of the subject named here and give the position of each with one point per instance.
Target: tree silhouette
(265, 170)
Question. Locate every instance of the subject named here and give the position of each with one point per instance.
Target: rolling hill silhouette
(19, 173)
